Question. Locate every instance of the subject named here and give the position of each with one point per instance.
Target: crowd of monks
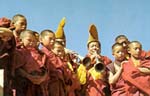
(54, 70)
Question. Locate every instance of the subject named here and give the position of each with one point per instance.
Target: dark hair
(45, 33)
(134, 42)
(26, 32)
(115, 44)
(15, 17)
(120, 36)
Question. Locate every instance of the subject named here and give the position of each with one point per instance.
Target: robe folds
(117, 89)
(55, 67)
(137, 83)
(31, 61)
(98, 87)
(95, 87)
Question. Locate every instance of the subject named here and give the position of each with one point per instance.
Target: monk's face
(135, 49)
(29, 40)
(48, 40)
(119, 53)
(20, 25)
(93, 48)
(59, 50)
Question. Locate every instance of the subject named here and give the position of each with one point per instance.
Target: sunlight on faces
(118, 52)
(135, 49)
(48, 40)
(20, 24)
(94, 47)
(28, 40)
(58, 49)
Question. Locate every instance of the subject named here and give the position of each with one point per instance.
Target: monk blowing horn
(99, 66)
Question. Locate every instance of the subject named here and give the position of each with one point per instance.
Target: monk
(122, 39)
(136, 72)
(29, 67)
(97, 80)
(115, 71)
(54, 64)
(18, 24)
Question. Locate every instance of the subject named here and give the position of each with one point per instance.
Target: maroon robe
(95, 87)
(71, 81)
(117, 89)
(98, 87)
(137, 83)
(56, 73)
(32, 62)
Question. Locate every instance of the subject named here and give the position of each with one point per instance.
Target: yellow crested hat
(59, 34)
(6, 32)
(93, 34)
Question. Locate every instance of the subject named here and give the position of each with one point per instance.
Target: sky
(111, 17)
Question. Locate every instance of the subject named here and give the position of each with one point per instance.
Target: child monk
(115, 70)
(136, 72)
(7, 46)
(70, 79)
(96, 86)
(54, 64)
(61, 37)
(70, 56)
(122, 39)
(29, 66)
(18, 24)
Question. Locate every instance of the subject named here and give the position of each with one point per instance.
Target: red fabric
(5, 22)
(72, 82)
(136, 81)
(143, 54)
(75, 86)
(56, 72)
(31, 61)
(117, 89)
(148, 54)
(95, 87)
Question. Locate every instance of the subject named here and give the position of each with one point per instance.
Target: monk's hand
(144, 70)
